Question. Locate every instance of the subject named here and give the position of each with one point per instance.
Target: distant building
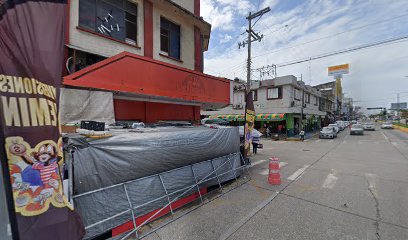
(277, 102)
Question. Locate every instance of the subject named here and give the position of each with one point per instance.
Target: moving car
(369, 126)
(356, 129)
(387, 125)
(341, 125)
(327, 132)
(335, 126)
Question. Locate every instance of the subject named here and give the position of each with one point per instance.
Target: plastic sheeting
(77, 105)
(148, 164)
(128, 156)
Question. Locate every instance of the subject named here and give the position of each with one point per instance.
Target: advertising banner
(249, 123)
(31, 50)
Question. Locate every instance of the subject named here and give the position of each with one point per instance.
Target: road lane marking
(330, 180)
(297, 173)
(318, 140)
(331, 141)
(257, 162)
(394, 143)
(386, 138)
(234, 228)
(265, 172)
(344, 141)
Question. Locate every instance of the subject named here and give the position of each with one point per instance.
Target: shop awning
(259, 117)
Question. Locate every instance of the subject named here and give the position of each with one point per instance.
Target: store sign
(338, 70)
(30, 76)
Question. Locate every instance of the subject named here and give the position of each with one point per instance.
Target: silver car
(387, 125)
(327, 132)
(369, 126)
(356, 129)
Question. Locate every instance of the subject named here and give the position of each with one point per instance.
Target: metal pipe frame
(169, 204)
(167, 195)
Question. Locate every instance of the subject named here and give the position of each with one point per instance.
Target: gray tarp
(124, 157)
(150, 163)
(77, 105)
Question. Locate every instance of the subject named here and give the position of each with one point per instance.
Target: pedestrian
(280, 129)
(268, 132)
(255, 142)
(302, 135)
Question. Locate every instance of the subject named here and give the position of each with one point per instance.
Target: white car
(387, 125)
(328, 132)
(336, 127)
(369, 126)
(341, 125)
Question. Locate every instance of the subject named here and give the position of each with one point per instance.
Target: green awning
(259, 117)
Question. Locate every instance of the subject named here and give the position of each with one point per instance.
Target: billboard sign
(338, 70)
(396, 106)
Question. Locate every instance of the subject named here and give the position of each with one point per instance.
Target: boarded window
(113, 18)
(170, 38)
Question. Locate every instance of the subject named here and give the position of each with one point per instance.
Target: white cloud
(375, 73)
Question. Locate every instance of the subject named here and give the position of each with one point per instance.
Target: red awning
(131, 73)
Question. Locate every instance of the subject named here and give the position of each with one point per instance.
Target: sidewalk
(308, 135)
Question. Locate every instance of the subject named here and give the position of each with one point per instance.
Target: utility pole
(252, 37)
(398, 105)
(303, 105)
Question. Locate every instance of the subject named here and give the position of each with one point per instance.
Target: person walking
(302, 135)
(268, 132)
(255, 142)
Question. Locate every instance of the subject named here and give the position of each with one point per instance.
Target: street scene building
(278, 105)
(138, 61)
(202, 120)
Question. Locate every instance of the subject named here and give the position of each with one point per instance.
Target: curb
(402, 129)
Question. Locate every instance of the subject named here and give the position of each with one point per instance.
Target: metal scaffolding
(171, 197)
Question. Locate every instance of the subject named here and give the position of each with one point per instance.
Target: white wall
(105, 47)
(187, 4)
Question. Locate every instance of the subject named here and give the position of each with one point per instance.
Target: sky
(295, 30)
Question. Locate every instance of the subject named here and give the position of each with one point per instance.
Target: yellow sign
(338, 70)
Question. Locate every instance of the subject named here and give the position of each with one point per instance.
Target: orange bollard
(274, 177)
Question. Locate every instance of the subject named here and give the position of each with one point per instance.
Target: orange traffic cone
(274, 177)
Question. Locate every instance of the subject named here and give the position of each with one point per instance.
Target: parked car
(356, 129)
(387, 125)
(341, 125)
(328, 132)
(369, 126)
(353, 122)
(347, 123)
(217, 121)
(335, 126)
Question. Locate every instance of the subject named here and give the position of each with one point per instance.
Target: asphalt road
(349, 188)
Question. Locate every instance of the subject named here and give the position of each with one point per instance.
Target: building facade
(277, 102)
(147, 54)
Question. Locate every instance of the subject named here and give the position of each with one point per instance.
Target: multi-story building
(277, 102)
(138, 60)
(331, 100)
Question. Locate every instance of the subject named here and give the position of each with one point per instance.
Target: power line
(333, 35)
(347, 50)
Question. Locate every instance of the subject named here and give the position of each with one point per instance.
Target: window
(297, 94)
(255, 95)
(170, 38)
(114, 18)
(316, 101)
(274, 93)
(307, 98)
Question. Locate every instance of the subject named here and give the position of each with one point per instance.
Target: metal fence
(172, 197)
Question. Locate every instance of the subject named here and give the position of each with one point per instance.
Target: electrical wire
(333, 35)
(347, 50)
